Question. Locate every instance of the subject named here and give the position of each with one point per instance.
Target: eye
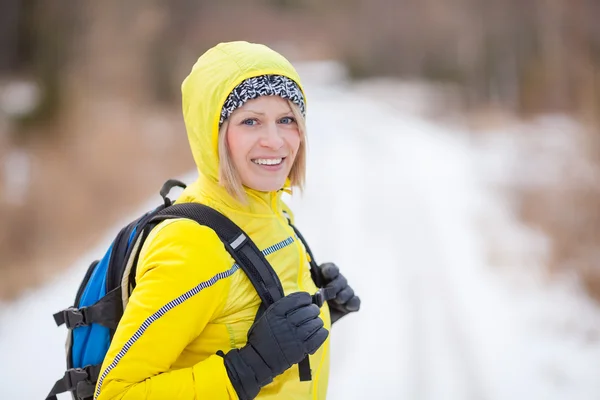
(287, 120)
(249, 122)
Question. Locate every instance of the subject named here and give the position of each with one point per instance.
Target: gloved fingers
(289, 303)
(353, 304)
(344, 295)
(303, 314)
(315, 341)
(330, 271)
(336, 315)
(338, 284)
(309, 328)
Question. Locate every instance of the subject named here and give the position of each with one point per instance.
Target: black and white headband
(263, 85)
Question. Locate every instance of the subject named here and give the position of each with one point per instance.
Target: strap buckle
(74, 376)
(82, 381)
(75, 317)
(322, 295)
(318, 298)
(78, 381)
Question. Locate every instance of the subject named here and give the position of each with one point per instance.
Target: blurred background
(90, 121)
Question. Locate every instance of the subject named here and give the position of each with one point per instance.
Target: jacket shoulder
(188, 247)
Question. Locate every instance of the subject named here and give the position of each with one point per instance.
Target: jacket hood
(204, 91)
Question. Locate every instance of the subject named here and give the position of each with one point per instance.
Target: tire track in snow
(451, 365)
(377, 204)
(389, 158)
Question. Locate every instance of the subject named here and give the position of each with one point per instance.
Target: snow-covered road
(393, 200)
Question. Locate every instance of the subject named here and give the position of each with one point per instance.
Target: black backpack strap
(107, 312)
(319, 298)
(79, 381)
(243, 250)
(314, 267)
(245, 253)
(323, 294)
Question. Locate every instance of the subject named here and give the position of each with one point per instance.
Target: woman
(244, 110)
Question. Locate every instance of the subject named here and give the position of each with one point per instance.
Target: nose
(271, 137)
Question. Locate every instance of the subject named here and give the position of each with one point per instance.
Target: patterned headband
(263, 85)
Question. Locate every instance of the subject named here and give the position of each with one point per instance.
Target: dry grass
(82, 184)
(571, 218)
(567, 210)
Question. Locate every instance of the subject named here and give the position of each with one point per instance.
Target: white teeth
(268, 161)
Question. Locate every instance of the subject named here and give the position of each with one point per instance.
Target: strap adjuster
(81, 382)
(106, 312)
(72, 317)
(322, 295)
(318, 298)
(73, 376)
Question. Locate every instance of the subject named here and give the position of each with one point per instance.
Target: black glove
(345, 301)
(284, 335)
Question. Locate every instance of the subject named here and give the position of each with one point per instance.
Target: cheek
(236, 144)
(293, 141)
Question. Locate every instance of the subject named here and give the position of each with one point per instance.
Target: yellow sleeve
(182, 283)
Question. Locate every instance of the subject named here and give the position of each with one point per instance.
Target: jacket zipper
(286, 226)
(302, 256)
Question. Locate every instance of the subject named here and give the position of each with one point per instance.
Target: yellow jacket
(190, 301)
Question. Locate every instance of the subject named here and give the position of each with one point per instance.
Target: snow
(402, 205)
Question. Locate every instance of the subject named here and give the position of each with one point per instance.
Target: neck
(257, 202)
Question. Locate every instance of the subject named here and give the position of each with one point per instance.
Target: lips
(268, 161)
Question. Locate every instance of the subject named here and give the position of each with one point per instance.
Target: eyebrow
(254, 112)
(263, 114)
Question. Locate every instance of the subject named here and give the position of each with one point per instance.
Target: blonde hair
(229, 177)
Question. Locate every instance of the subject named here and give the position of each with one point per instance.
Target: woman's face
(263, 140)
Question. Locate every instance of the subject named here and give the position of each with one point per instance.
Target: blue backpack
(108, 283)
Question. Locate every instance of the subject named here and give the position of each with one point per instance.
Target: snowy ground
(398, 203)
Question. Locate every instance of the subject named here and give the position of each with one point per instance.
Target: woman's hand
(345, 300)
(288, 331)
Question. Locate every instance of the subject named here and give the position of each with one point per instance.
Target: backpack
(109, 281)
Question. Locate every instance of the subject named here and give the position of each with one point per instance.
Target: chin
(268, 186)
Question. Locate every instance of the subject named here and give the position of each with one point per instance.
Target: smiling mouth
(268, 161)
